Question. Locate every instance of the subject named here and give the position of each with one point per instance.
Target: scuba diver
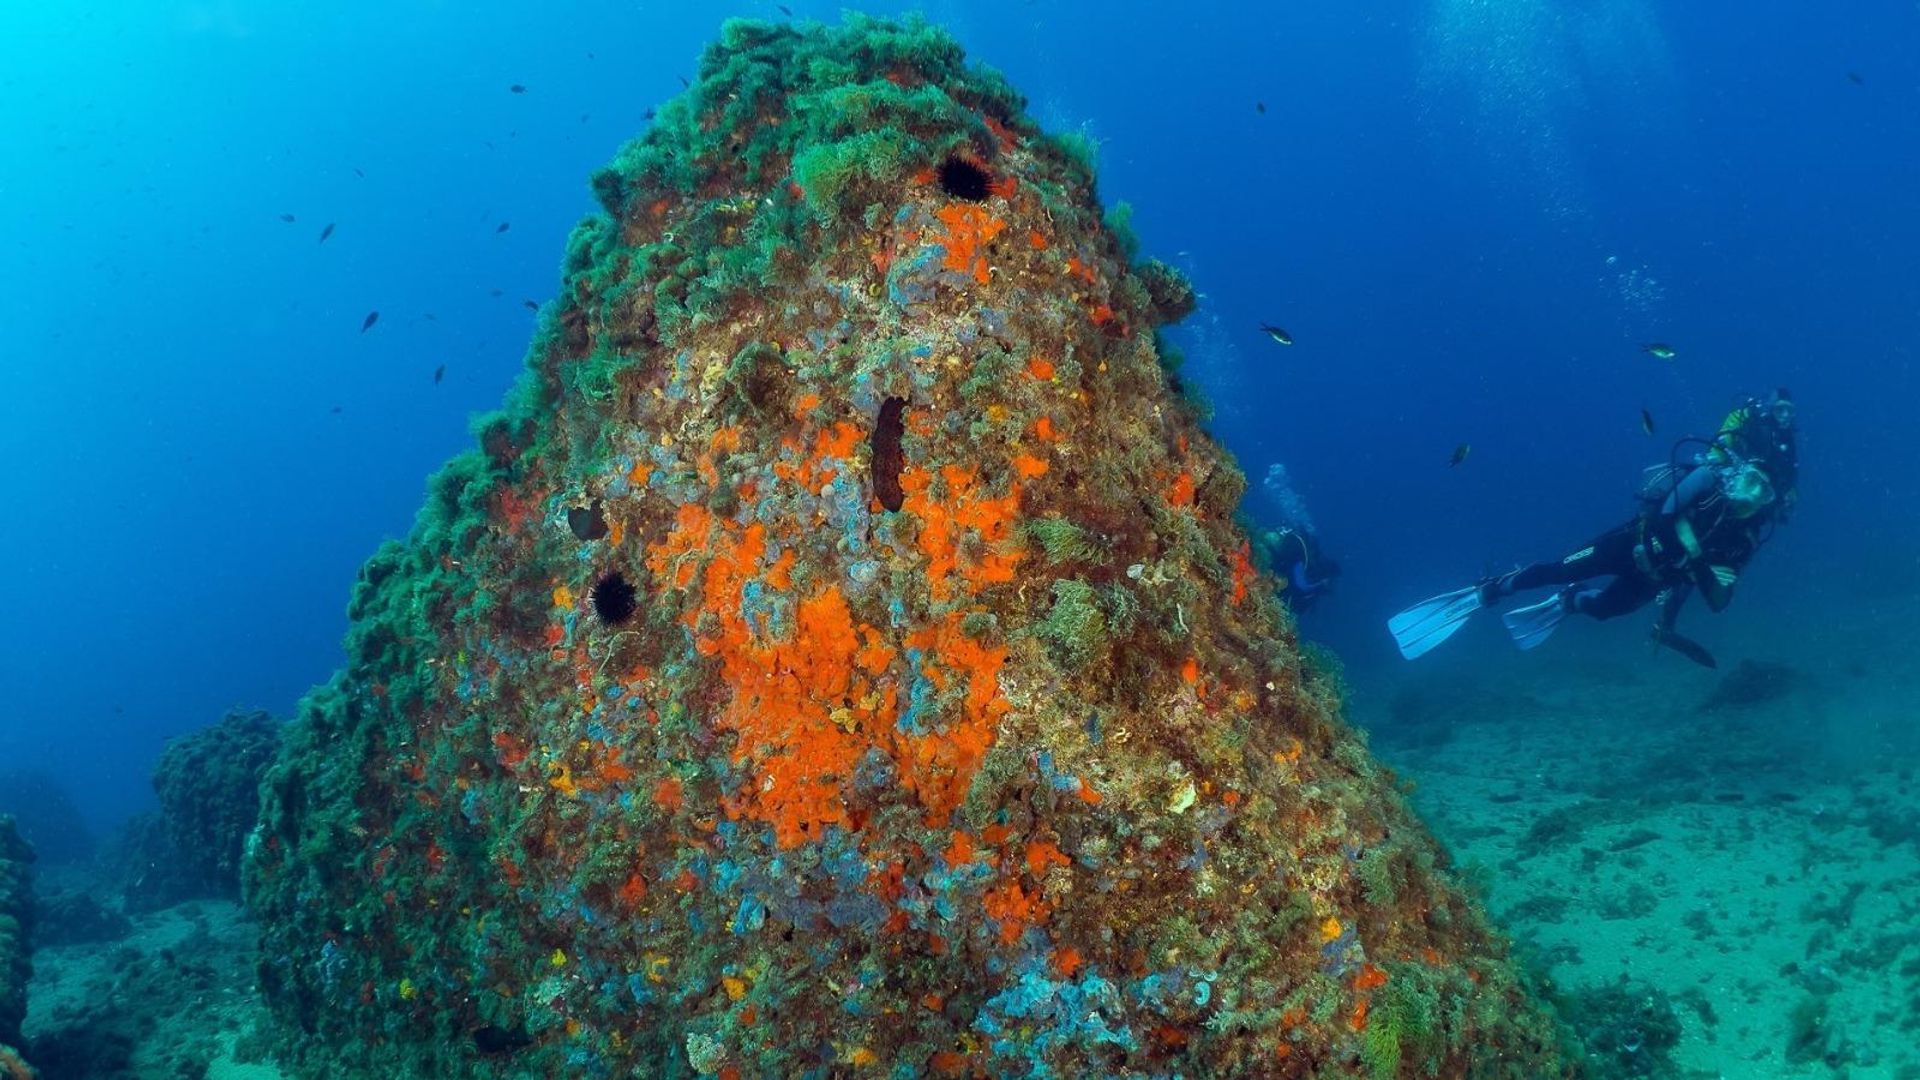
(1306, 573)
(1292, 548)
(1700, 522)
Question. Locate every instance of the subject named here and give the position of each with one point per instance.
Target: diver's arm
(1663, 633)
(1302, 586)
(1670, 605)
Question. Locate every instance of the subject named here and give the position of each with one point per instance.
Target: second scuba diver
(1306, 573)
(1701, 521)
(1292, 546)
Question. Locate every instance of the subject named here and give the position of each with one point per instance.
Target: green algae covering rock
(840, 659)
(16, 950)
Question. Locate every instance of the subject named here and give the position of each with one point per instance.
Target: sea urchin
(614, 599)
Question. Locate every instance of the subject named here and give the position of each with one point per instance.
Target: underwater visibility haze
(629, 539)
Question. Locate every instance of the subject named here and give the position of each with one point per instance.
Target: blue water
(1468, 214)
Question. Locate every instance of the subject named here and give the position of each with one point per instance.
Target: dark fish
(367, 324)
(1278, 335)
(357, 172)
(1459, 454)
(785, 10)
(583, 118)
(1659, 350)
(503, 227)
(530, 305)
(335, 410)
(326, 232)
(684, 84)
(288, 218)
(439, 373)
(649, 114)
(495, 292)
(1646, 421)
(1261, 106)
(516, 88)
(431, 317)
(1854, 78)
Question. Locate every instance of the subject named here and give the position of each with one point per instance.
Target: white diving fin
(1535, 623)
(1428, 623)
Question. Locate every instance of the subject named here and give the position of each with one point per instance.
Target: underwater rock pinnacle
(839, 658)
(16, 952)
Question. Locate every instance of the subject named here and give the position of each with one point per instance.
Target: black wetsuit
(1645, 557)
(1609, 555)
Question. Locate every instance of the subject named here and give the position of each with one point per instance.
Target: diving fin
(1430, 622)
(1685, 646)
(1533, 624)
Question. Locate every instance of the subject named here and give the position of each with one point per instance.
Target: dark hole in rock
(614, 599)
(494, 1039)
(962, 179)
(587, 522)
(888, 458)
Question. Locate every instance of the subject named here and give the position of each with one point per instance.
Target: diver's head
(1748, 489)
(1780, 409)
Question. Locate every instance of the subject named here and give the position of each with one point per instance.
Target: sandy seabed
(1741, 846)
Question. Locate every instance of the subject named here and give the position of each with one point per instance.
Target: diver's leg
(1623, 595)
(1609, 554)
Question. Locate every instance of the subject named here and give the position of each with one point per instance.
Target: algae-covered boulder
(839, 658)
(16, 950)
(209, 788)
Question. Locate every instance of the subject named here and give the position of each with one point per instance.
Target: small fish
(684, 84)
(1459, 454)
(367, 323)
(1278, 335)
(326, 232)
(288, 218)
(504, 226)
(785, 10)
(1646, 421)
(649, 114)
(335, 410)
(530, 305)
(1659, 350)
(516, 88)
(439, 373)
(496, 293)
(1854, 78)
(1261, 106)
(359, 173)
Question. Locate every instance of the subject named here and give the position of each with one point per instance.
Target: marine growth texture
(16, 950)
(839, 658)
